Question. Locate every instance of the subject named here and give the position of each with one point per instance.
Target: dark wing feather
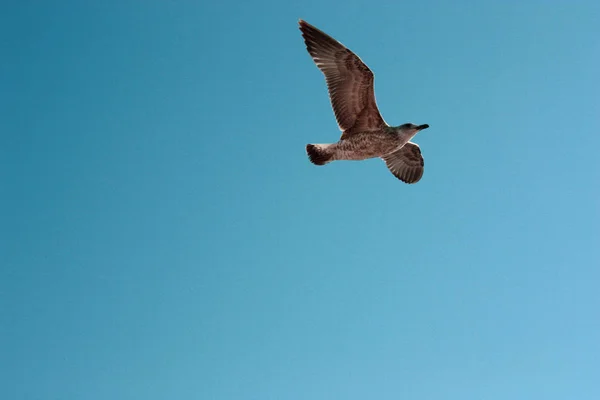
(406, 163)
(349, 81)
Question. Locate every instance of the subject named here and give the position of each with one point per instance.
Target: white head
(407, 131)
(412, 128)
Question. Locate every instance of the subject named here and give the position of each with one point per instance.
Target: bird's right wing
(406, 163)
(349, 80)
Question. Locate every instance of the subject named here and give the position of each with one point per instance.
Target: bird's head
(412, 128)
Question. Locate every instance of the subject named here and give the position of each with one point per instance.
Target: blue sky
(165, 237)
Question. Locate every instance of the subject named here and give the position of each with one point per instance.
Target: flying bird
(364, 132)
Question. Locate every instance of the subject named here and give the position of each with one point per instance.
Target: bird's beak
(421, 127)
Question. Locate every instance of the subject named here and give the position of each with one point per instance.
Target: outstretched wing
(349, 81)
(406, 163)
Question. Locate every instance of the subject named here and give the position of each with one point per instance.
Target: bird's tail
(320, 154)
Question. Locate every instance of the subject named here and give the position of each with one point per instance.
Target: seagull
(364, 132)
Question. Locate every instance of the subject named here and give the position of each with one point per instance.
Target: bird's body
(365, 133)
(368, 144)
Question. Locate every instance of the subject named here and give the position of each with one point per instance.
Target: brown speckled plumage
(364, 132)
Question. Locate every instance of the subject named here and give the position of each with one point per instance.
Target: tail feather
(318, 153)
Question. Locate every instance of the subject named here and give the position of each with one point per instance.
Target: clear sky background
(164, 236)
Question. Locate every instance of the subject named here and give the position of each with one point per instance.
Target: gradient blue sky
(165, 237)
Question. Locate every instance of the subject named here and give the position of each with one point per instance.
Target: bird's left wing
(349, 81)
(406, 163)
